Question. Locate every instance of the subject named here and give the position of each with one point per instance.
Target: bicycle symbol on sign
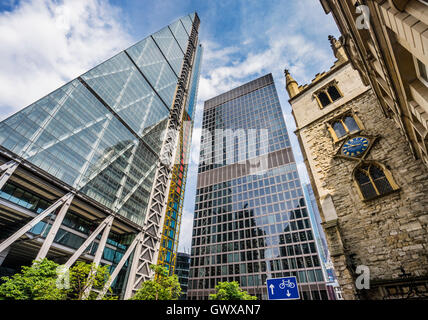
(287, 283)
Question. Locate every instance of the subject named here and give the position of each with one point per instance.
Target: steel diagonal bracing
(120, 266)
(8, 169)
(46, 122)
(97, 259)
(167, 227)
(146, 251)
(163, 61)
(124, 88)
(88, 241)
(105, 161)
(134, 188)
(102, 166)
(125, 176)
(107, 117)
(6, 165)
(95, 146)
(27, 227)
(54, 229)
(64, 137)
(101, 75)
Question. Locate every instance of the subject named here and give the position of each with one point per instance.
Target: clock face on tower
(355, 147)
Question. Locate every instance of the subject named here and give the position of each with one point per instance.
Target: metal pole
(87, 242)
(97, 259)
(33, 222)
(54, 229)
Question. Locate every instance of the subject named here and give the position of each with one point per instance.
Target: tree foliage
(40, 282)
(37, 282)
(81, 278)
(230, 291)
(162, 287)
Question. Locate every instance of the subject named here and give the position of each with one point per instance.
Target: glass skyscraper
(93, 158)
(182, 271)
(251, 221)
(333, 287)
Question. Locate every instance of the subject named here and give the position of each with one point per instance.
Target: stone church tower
(371, 192)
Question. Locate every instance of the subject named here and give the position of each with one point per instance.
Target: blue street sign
(282, 288)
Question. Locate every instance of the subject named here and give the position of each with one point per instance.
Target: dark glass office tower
(182, 271)
(87, 172)
(332, 284)
(251, 221)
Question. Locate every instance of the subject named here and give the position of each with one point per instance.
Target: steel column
(97, 259)
(120, 265)
(3, 255)
(8, 169)
(54, 229)
(88, 241)
(33, 222)
(133, 267)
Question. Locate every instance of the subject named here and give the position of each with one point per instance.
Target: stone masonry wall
(384, 233)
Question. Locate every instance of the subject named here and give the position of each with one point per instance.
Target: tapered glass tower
(95, 170)
(251, 221)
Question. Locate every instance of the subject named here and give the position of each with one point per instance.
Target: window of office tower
(251, 228)
(257, 110)
(250, 225)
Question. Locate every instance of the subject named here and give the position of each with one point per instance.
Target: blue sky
(46, 43)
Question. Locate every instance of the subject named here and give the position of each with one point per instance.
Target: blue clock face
(355, 147)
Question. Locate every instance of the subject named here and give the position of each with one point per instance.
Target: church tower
(371, 192)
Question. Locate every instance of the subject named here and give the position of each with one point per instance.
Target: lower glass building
(87, 172)
(251, 221)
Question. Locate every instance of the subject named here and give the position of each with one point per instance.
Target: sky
(46, 43)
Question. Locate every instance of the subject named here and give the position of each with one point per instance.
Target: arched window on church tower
(324, 99)
(373, 180)
(333, 93)
(328, 94)
(344, 125)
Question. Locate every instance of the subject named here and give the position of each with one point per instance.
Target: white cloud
(288, 50)
(272, 36)
(46, 43)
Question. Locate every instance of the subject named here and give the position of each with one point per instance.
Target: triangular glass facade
(101, 133)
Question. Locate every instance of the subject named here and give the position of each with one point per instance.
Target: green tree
(230, 291)
(162, 287)
(40, 282)
(37, 282)
(81, 279)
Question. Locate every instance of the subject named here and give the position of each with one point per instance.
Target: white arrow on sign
(271, 288)
(288, 293)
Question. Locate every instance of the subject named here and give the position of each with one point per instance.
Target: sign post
(282, 288)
